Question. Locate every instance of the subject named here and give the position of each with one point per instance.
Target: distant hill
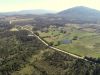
(80, 13)
(23, 12)
(37, 12)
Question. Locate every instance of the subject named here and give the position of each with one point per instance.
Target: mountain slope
(81, 13)
(50, 62)
(80, 9)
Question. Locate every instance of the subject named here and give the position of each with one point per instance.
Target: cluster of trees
(95, 60)
(69, 65)
(4, 25)
(15, 49)
(75, 38)
(54, 44)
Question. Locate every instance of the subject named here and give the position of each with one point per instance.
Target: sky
(54, 5)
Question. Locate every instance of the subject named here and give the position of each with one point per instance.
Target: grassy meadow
(83, 41)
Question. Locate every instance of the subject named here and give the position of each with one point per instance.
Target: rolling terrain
(72, 39)
(64, 43)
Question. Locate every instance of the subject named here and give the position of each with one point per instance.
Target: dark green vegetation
(49, 62)
(15, 50)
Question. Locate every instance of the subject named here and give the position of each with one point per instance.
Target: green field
(86, 44)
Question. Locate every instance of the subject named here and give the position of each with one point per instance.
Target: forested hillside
(50, 62)
(15, 49)
(22, 54)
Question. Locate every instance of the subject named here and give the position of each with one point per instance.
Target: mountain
(80, 13)
(80, 10)
(37, 12)
(23, 12)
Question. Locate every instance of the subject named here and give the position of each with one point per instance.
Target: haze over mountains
(73, 10)
(23, 12)
(79, 14)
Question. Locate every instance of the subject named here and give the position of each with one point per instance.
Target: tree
(75, 37)
(36, 33)
(58, 43)
(51, 43)
(34, 29)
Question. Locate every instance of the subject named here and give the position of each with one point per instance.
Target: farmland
(73, 39)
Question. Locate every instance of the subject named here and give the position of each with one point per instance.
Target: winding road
(54, 48)
(60, 50)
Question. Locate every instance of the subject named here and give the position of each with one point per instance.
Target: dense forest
(50, 62)
(15, 49)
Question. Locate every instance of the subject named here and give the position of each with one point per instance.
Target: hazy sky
(56, 5)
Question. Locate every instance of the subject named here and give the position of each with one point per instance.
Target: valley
(63, 43)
